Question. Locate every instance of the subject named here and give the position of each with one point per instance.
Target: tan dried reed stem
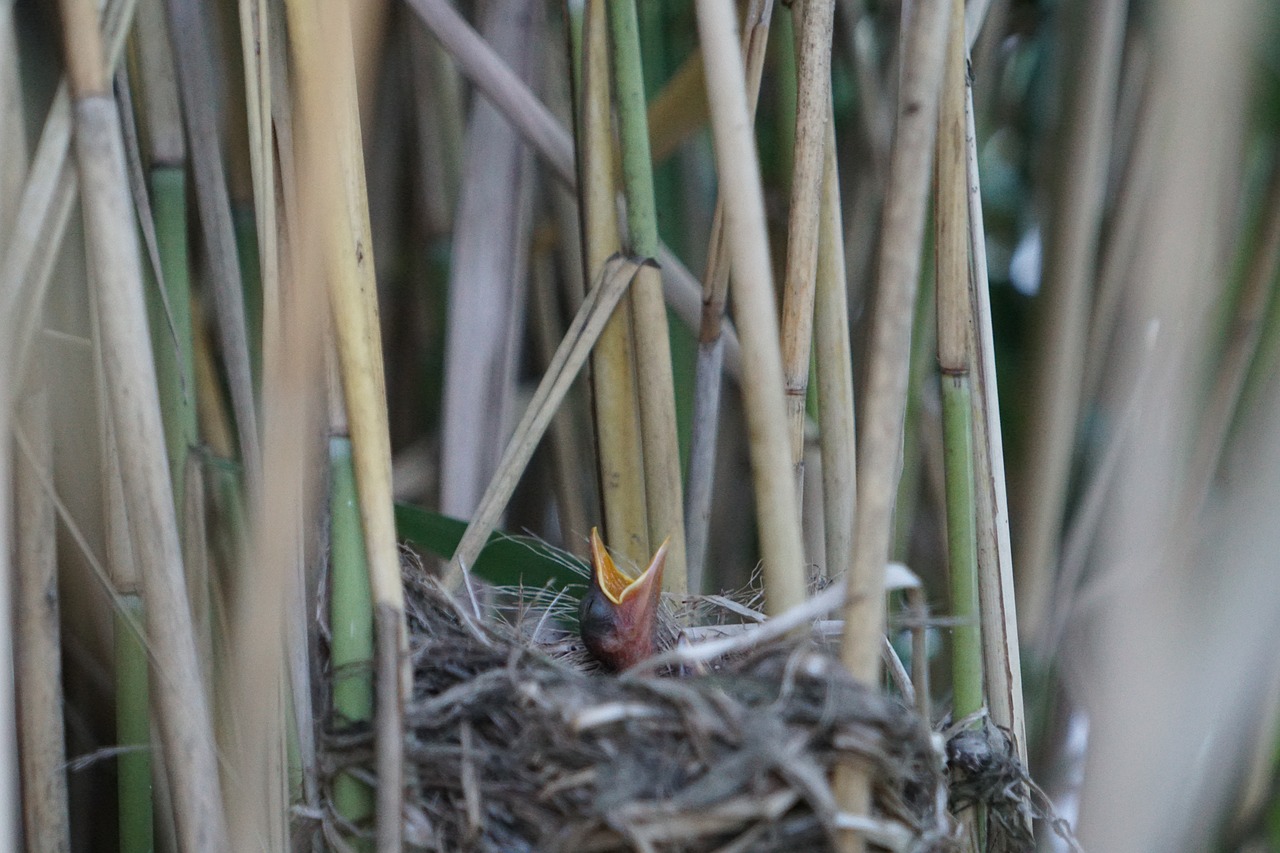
(836, 434)
(736, 164)
(884, 409)
(711, 338)
(184, 718)
(321, 43)
(1002, 654)
(613, 378)
(813, 106)
(1070, 256)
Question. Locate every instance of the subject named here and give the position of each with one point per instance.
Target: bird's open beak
(619, 613)
(618, 587)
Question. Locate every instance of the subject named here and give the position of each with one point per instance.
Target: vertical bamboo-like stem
(615, 394)
(813, 106)
(37, 650)
(883, 413)
(1070, 254)
(351, 622)
(736, 166)
(711, 341)
(184, 717)
(664, 494)
(954, 333)
(1002, 655)
(321, 41)
(834, 359)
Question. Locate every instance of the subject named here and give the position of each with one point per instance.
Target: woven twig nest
(513, 743)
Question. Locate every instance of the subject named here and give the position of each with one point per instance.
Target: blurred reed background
(285, 284)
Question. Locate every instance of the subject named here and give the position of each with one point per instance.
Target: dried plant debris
(984, 771)
(515, 743)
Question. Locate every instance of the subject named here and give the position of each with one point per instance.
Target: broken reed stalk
(180, 698)
(752, 281)
(1002, 654)
(611, 285)
(324, 68)
(955, 316)
(615, 396)
(834, 361)
(664, 493)
(813, 105)
(350, 622)
(1069, 258)
(37, 649)
(883, 412)
(708, 371)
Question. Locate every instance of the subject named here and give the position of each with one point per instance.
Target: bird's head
(618, 616)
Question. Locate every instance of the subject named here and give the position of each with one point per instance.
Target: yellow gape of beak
(616, 585)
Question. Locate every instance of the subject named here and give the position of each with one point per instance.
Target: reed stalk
(184, 718)
(955, 319)
(813, 105)
(1002, 654)
(884, 409)
(664, 493)
(834, 360)
(321, 45)
(615, 394)
(350, 623)
(737, 167)
(709, 368)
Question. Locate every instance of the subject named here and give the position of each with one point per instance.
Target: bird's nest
(514, 743)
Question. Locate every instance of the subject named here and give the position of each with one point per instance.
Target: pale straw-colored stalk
(323, 64)
(813, 106)
(711, 339)
(781, 546)
(834, 362)
(883, 412)
(179, 694)
(1002, 654)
